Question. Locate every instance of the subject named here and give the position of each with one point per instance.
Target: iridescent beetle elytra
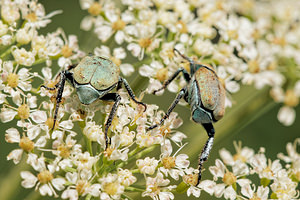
(206, 97)
(93, 78)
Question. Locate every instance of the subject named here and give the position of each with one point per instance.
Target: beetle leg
(185, 74)
(110, 97)
(130, 92)
(181, 94)
(48, 88)
(206, 149)
(119, 85)
(72, 66)
(60, 86)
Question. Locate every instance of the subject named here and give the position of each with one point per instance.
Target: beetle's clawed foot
(48, 88)
(156, 91)
(145, 106)
(199, 179)
(107, 143)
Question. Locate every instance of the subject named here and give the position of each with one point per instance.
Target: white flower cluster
(247, 41)
(235, 177)
(61, 165)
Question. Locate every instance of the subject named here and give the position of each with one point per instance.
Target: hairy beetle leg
(110, 97)
(207, 148)
(185, 75)
(130, 92)
(181, 94)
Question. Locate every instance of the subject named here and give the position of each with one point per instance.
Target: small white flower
(173, 165)
(229, 178)
(84, 160)
(147, 166)
(265, 168)
(261, 193)
(286, 115)
(44, 180)
(81, 185)
(156, 188)
(111, 187)
(242, 154)
(10, 11)
(125, 177)
(94, 132)
(22, 56)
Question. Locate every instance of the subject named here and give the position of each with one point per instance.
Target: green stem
(126, 197)
(137, 155)
(39, 61)
(134, 189)
(5, 53)
(87, 141)
(134, 171)
(10, 182)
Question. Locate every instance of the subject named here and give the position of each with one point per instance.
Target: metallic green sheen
(100, 72)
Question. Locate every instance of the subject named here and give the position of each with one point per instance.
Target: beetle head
(193, 65)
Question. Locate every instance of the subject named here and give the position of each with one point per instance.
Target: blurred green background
(252, 119)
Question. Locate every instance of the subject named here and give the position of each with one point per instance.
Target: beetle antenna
(184, 56)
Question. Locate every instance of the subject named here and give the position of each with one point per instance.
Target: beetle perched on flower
(206, 96)
(93, 78)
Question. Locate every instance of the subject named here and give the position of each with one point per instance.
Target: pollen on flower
(255, 198)
(108, 152)
(111, 188)
(253, 66)
(280, 41)
(64, 151)
(95, 9)
(45, 176)
(31, 17)
(190, 179)
(116, 61)
(164, 130)
(66, 51)
(114, 122)
(23, 111)
(81, 186)
(291, 99)
(155, 188)
(145, 42)
(49, 122)
(186, 66)
(182, 27)
(12, 80)
(238, 156)
(233, 34)
(162, 74)
(168, 162)
(26, 144)
(118, 25)
(229, 178)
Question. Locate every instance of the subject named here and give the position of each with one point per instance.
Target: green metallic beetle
(206, 97)
(93, 78)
